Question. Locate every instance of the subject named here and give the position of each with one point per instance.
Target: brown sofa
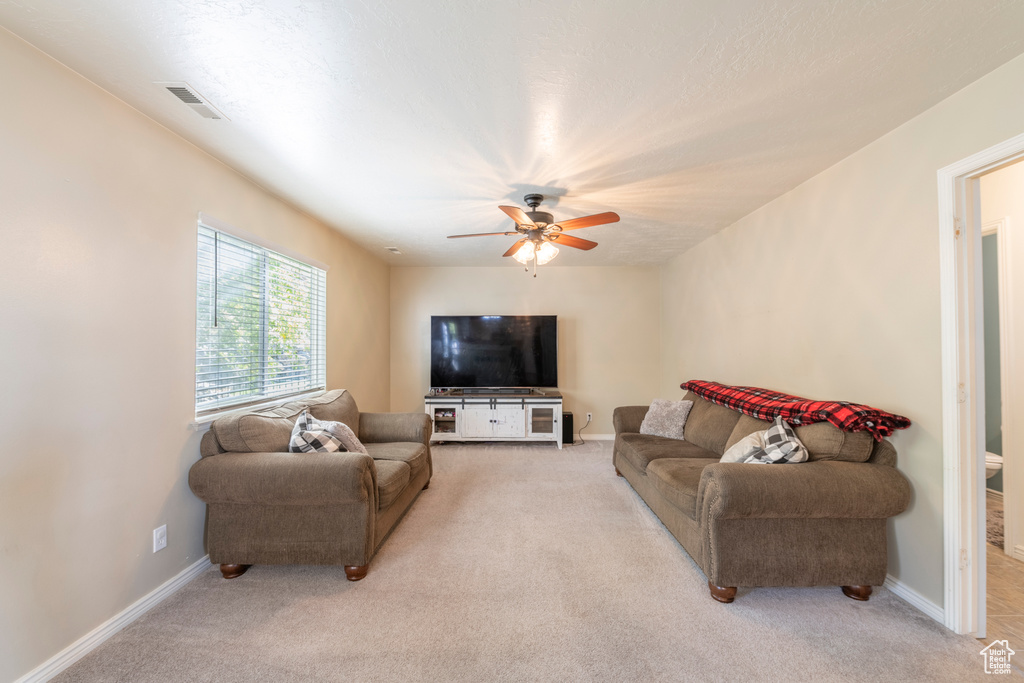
(268, 506)
(822, 522)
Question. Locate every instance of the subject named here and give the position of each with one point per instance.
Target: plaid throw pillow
(309, 435)
(780, 445)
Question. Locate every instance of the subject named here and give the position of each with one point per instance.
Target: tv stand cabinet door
(476, 422)
(543, 421)
(509, 423)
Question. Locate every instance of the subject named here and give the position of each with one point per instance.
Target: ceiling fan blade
(515, 247)
(570, 241)
(482, 234)
(589, 221)
(518, 215)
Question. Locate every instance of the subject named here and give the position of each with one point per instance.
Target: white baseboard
(1018, 552)
(915, 599)
(90, 641)
(993, 494)
(598, 437)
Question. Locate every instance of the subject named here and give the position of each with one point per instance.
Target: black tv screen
(493, 351)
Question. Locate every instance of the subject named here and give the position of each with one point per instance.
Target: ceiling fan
(540, 233)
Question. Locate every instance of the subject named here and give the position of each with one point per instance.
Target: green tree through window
(260, 323)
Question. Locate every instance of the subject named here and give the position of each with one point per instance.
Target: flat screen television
(493, 351)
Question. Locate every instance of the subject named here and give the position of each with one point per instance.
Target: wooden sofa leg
(723, 594)
(354, 573)
(426, 485)
(617, 473)
(233, 571)
(861, 593)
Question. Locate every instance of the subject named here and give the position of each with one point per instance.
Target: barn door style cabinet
(495, 417)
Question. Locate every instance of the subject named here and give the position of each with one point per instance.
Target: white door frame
(963, 384)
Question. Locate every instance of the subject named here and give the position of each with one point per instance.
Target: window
(260, 323)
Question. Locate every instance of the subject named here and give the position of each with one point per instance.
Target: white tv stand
(495, 415)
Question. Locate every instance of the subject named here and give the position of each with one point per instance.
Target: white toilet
(993, 463)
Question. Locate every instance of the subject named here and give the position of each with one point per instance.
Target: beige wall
(97, 302)
(832, 291)
(608, 328)
(1002, 196)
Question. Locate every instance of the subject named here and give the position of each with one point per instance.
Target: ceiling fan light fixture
(537, 232)
(545, 253)
(525, 253)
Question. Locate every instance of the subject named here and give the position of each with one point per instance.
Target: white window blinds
(260, 324)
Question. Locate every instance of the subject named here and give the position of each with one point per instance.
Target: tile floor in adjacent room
(1005, 594)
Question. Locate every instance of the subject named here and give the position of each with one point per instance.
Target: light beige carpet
(523, 563)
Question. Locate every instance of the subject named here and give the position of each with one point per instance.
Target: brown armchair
(268, 506)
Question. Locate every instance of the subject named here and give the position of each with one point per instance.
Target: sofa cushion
(336, 406)
(709, 426)
(666, 418)
(822, 440)
(260, 431)
(746, 426)
(412, 454)
(392, 478)
(825, 441)
(677, 479)
(641, 449)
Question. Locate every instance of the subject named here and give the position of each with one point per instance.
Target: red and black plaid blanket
(768, 405)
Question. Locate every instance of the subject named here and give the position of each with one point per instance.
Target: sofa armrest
(391, 427)
(628, 418)
(823, 490)
(284, 478)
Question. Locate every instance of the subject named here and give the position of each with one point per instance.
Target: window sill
(201, 424)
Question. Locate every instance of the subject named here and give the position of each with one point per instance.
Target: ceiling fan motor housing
(541, 218)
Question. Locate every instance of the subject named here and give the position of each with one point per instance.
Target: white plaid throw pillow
(780, 445)
(309, 435)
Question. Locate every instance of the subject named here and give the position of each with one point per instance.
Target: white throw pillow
(746, 447)
(666, 418)
(309, 435)
(349, 441)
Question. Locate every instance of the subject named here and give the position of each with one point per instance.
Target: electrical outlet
(590, 416)
(159, 538)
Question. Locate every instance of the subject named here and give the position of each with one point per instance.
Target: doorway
(963, 396)
(1004, 575)
(1001, 199)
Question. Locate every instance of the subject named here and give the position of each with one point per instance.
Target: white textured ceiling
(401, 122)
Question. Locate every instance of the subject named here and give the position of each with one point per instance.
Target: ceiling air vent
(188, 95)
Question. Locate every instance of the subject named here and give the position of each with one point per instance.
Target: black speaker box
(567, 431)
